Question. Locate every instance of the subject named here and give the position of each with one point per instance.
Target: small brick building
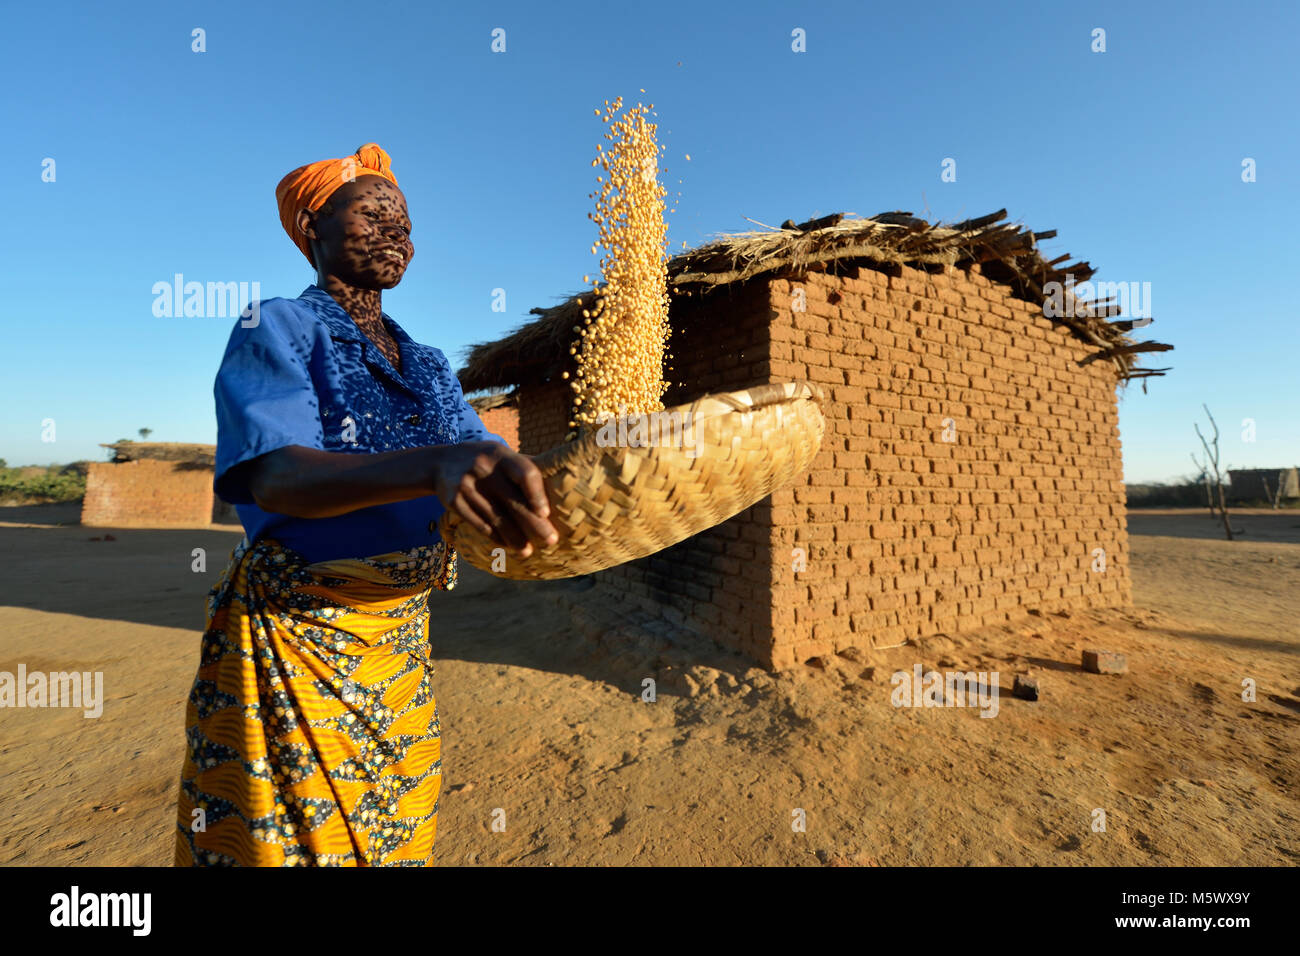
(971, 468)
(500, 415)
(169, 484)
(154, 485)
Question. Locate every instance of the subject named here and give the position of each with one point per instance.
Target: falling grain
(623, 340)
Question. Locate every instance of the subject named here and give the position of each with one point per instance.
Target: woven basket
(615, 504)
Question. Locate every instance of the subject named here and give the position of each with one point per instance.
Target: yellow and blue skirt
(312, 728)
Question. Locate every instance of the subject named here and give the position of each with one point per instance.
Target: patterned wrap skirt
(312, 728)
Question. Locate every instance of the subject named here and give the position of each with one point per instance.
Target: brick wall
(902, 533)
(543, 416)
(907, 534)
(148, 494)
(504, 421)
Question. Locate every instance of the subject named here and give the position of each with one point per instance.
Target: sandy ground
(548, 726)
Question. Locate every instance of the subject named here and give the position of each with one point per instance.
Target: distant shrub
(51, 485)
(1188, 494)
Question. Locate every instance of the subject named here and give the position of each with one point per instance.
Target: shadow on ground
(148, 577)
(63, 513)
(1254, 524)
(144, 576)
(495, 621)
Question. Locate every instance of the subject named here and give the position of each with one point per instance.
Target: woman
(312, 728)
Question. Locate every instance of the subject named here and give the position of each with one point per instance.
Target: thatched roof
(185, 452)
(487, 402)
(1006, 252)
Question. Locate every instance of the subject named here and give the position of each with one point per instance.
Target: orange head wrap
(310, 186)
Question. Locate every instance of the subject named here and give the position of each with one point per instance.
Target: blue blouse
(305, 374)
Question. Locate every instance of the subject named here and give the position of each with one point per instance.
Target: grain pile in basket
(637, 478)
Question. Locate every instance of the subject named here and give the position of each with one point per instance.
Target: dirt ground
(549, 726)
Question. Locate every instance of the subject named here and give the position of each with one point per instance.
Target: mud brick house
(500, 415)
(154, 485)
(971, 467)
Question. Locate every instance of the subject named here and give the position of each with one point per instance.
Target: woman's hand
(498, 491)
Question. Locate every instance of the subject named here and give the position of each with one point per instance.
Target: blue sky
(167, 160)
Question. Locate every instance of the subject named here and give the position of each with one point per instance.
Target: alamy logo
(1065, 300)
(55, 689)
(947, 689)
(655, 429)
(102, 909)
(213, 300)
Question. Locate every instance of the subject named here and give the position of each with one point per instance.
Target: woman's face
(362, 234)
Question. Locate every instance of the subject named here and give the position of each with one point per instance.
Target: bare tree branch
(1212, 456)
(1203, 476)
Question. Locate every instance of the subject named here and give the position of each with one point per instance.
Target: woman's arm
(310, 483)
(495, 489)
